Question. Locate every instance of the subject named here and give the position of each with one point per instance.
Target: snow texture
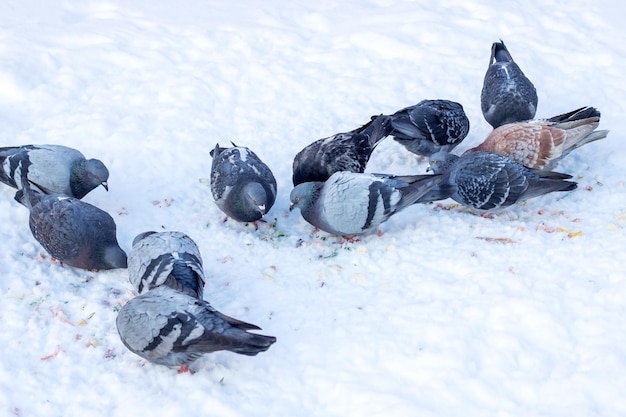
(446, 313)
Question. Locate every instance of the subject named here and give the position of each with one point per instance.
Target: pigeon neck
(501, 54)
(441, 162)
(308, 201)
(78, 187)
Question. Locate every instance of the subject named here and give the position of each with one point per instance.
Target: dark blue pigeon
(243, 187)
(486, 181)
(348, 151)
(72, 231)
(430, 126)
(508, 96)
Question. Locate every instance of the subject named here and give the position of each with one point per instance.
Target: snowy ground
(445, 314)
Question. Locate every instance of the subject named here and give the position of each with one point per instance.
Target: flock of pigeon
(512, 164)
(169, 322)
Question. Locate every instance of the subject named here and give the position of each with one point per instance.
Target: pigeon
(52, 169)
(348, 151)
(349, 203)
(430, 126)
(507, 95)
(166, 258)
(171, 328)
(72, 231)
(243, 187)
(541, 144)
(486, 181)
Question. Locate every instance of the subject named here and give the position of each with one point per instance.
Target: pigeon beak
(292, 206)
(105, 185)
(262, 208)
(428, 169)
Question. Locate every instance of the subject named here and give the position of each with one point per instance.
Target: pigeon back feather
(166, 258)
(430, 126)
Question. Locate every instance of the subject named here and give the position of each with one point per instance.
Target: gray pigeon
(507, 95)
(243, 187)
(168, 327)
(166, 258)
(349, 204)
(72, 231)
(52, 169)
(430, 126)
(541, 144)
(486, 181)
(348, 151)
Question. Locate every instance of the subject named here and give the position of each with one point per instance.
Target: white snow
(445, 314)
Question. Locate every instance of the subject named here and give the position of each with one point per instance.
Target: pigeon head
(304, 196)
(98, 249)
(114, 257)
(441, 161)
(252, 202)
(98, 174)
(87, 175)
(255, 198)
